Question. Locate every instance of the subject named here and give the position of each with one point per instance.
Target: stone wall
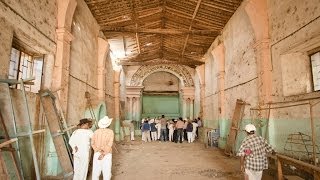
(83, 62)
(161, 81)
(293, 34)
(33, 24)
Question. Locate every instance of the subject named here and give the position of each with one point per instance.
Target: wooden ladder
(236, 119)
(58, 132)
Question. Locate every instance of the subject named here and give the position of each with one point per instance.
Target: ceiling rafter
(193, 17)
(162, 31)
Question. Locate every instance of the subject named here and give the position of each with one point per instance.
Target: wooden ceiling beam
(159, 61)
(162, 31)
(193, 17)
(230, 10)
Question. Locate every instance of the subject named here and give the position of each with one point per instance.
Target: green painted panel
(156, 105)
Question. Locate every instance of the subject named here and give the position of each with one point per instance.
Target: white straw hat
(104, 122)
(250, 127)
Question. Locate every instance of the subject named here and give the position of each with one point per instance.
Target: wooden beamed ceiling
(162, 31)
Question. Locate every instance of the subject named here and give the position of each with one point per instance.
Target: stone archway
(180, 71)
(135, 89)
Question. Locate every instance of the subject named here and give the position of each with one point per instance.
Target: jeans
(163, 134)
(179, 135)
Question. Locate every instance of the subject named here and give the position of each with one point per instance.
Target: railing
(309, 168)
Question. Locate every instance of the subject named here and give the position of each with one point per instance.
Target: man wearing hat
(253, 152)
(80, 143)
(101, 143)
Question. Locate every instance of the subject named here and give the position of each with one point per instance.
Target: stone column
(257, 11)
(60, 79)
(130, 108)
(103, 48)
(136, 92)
(187, 94)
(116, 86)
(138, 113)
(219, 57)
(184, 108)
(191, 108)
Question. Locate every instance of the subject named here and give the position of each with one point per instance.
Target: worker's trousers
(132, 135)
(103, 165)
(253, 175)
(81, 163)
(171, 135)
(146, 136)
(189, 136)
(154, 136)
(193, 136)
(159, 133)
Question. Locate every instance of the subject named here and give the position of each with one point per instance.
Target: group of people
(174, 130)
(101, 141)
(252, 151)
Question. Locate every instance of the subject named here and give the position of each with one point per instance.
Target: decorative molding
(180, 71)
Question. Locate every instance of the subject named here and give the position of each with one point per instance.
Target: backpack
(189, 127)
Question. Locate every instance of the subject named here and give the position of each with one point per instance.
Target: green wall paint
(156, 105)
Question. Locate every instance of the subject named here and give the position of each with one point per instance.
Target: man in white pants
(194, 130)
(102, 141)
(80, 143)
(158, 126)
(171, 129)
(131, 127)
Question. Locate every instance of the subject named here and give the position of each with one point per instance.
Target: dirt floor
(167, 160)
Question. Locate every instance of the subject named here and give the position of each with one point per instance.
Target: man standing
(194, 129)
(163, 122)
(131, 127)
(146, 131)
(102, 141)
(153, 130)
(80, 143)
(179, 127)
(158, 126)
(253, 152)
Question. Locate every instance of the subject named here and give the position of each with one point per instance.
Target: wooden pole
(313, 136)
(33, 150)
(280, 174)
(8, 142)
(15, 130)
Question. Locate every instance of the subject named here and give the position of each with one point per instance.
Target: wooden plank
(280, 173)
(33, 150)
(237, 115)
(162, 31)
(8, 142)
(54, 126)
(3, 170)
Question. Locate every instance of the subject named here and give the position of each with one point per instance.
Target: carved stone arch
(180, 71)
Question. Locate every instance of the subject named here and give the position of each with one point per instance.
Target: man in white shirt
(80, 143)
(195, 126)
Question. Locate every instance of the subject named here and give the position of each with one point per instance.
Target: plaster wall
(294, 36)
(240, 73)
(294, 28)
(83, 62)
(161, 81)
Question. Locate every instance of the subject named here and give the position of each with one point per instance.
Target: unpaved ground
(170, 161)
